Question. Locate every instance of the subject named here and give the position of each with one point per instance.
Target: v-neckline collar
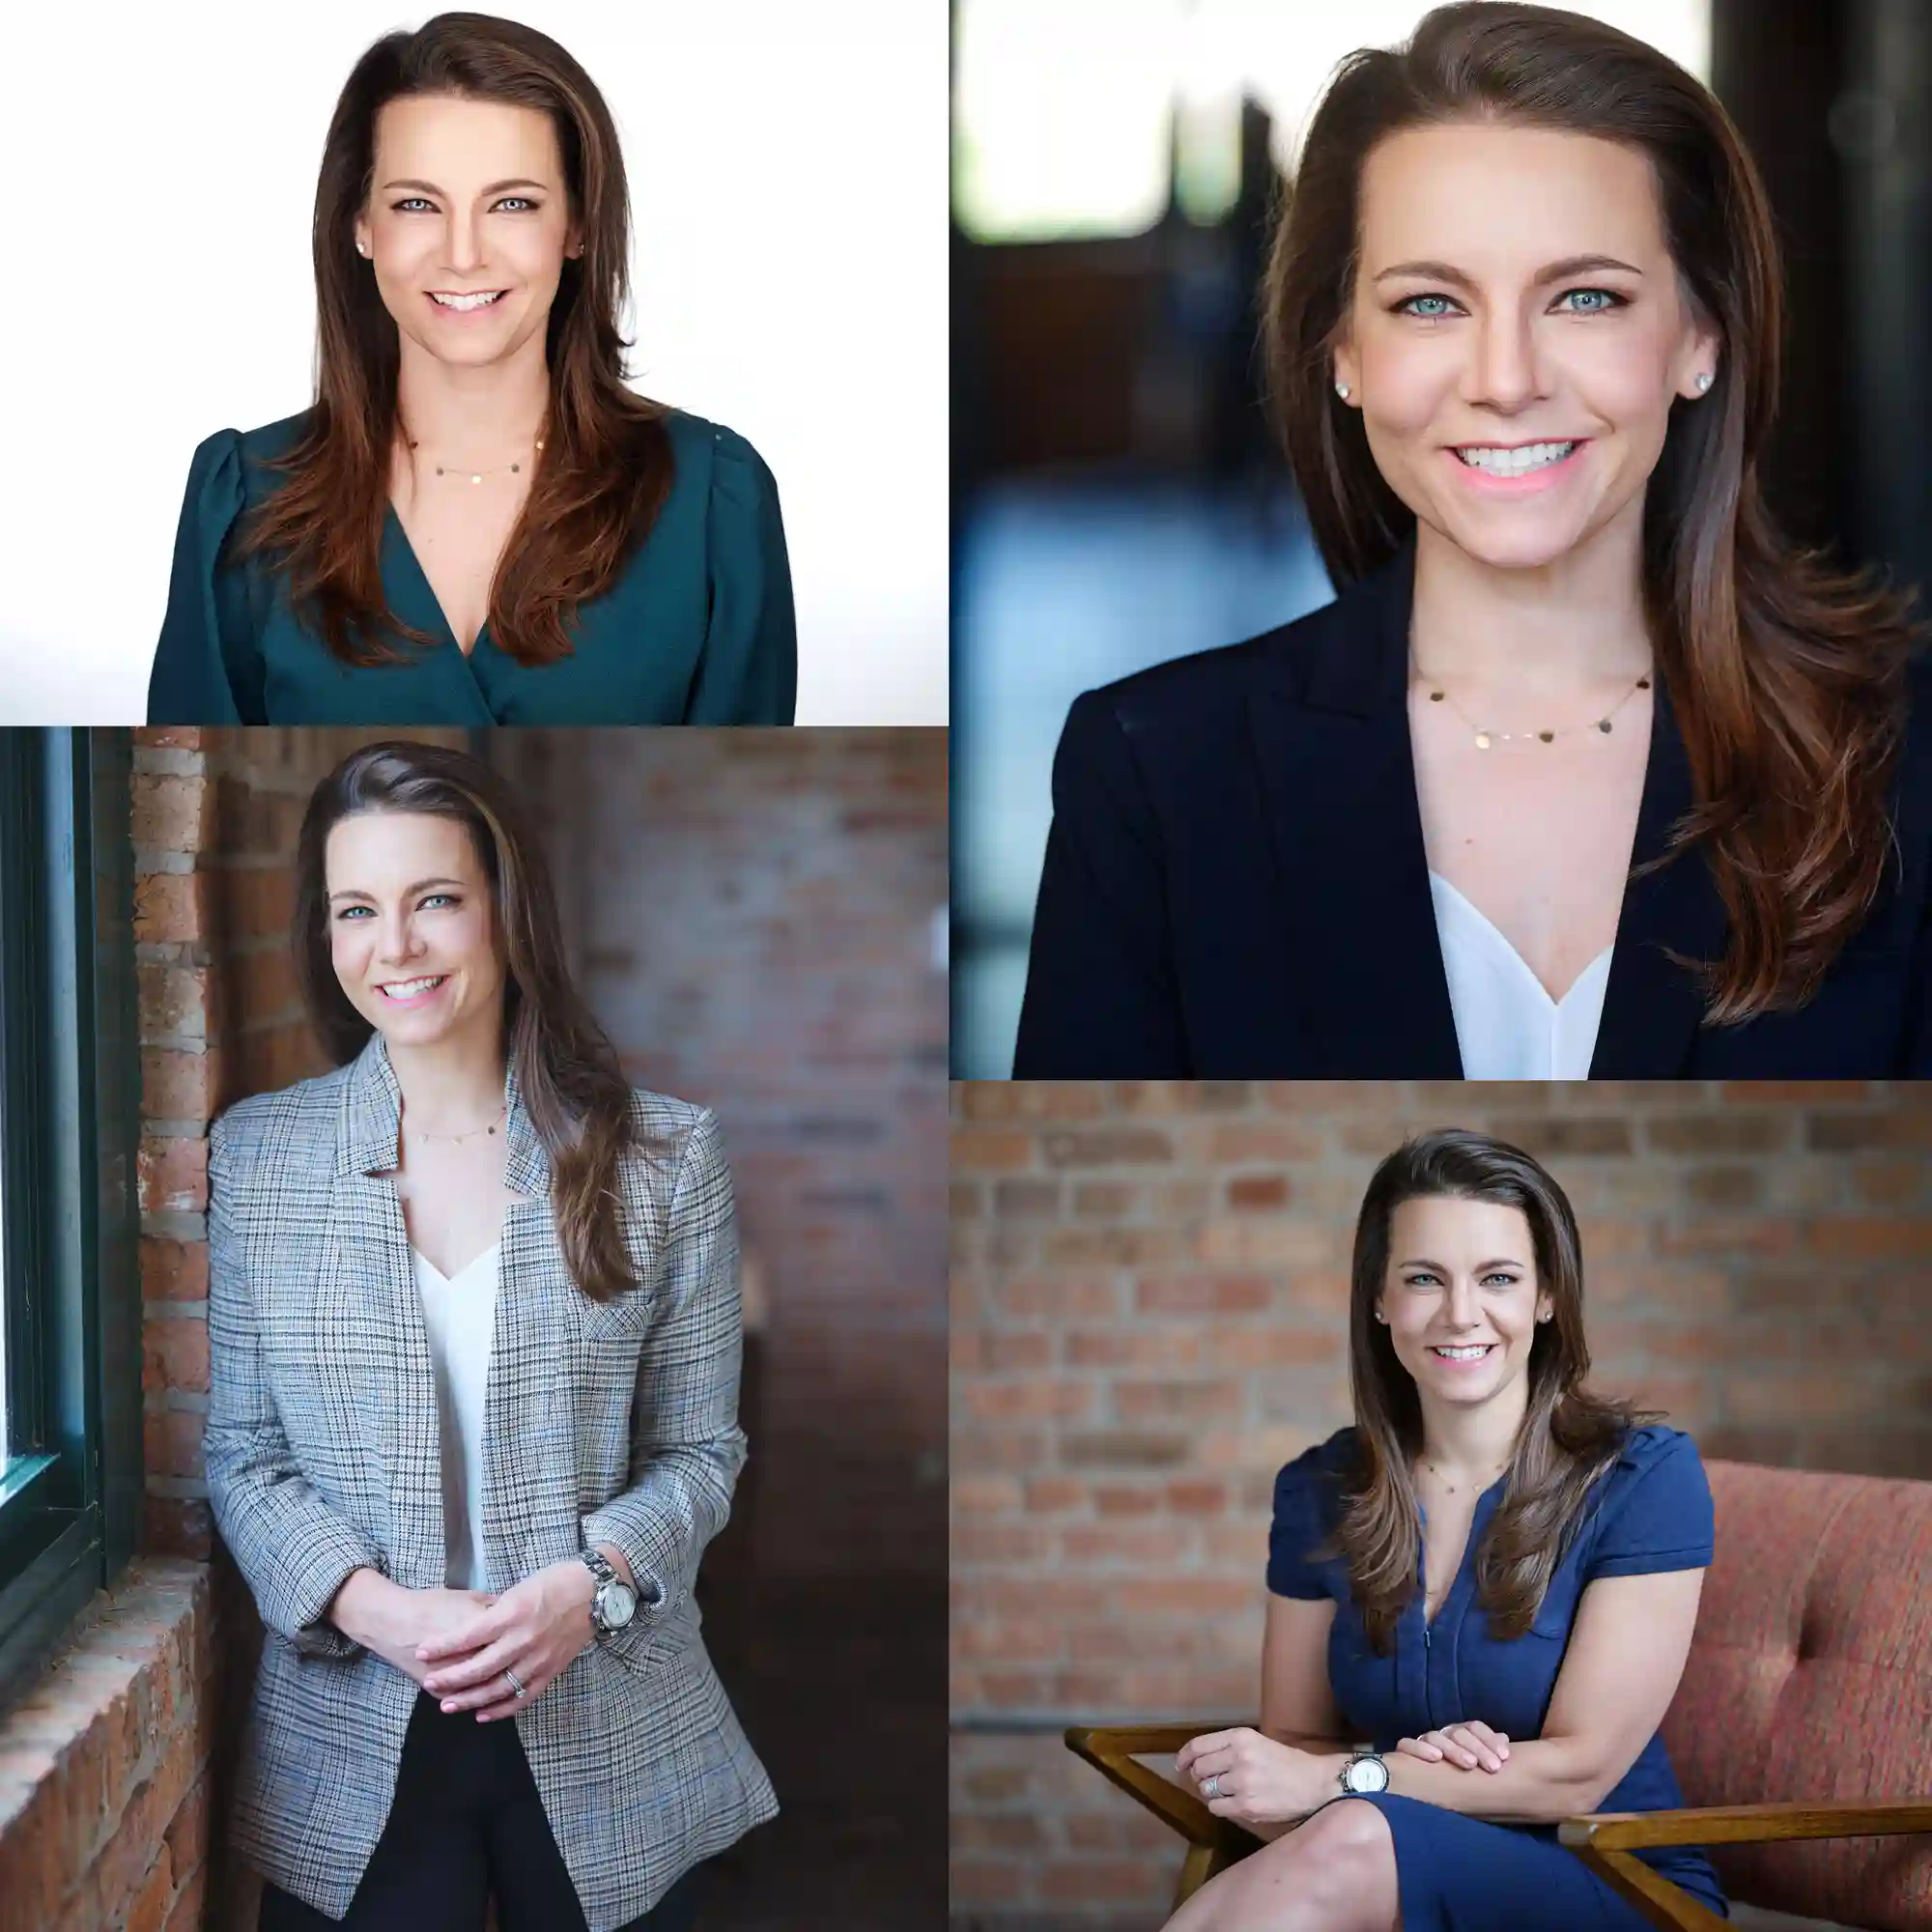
(408, 548)
(1465, 1567)
(467, 1269)
(1498, 942)
(1330, 729)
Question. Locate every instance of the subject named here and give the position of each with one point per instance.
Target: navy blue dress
(1651, 1512)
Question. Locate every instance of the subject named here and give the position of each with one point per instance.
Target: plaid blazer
(606, 1422)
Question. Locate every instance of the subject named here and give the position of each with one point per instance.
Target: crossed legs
(1334, 1873)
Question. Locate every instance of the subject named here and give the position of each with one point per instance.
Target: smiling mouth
(465, 304)
(1514, 459)
(410, 989)
(1474, 1352)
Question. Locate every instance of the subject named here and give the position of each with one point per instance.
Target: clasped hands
(458, 1644)
(1259, 1781)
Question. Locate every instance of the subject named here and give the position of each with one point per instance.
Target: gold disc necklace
(1487, 735)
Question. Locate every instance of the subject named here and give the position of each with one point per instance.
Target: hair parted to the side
(567, 1070)
(605, 466)
(1570, 1435)
(1785, 674)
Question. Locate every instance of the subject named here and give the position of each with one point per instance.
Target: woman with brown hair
(477, 522)
(1587, 771)
(474, 1329)
(1481, 1596)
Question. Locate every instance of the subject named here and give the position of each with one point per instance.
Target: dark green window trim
(69, 1132)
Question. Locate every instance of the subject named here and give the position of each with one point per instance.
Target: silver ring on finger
(1212, 1788)
(514, 1682)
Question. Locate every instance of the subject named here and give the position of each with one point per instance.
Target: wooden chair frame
(1604, 1840)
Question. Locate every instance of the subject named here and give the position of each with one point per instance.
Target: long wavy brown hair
(567, 1072)
(605, 469)
(1786, 677)
(1570, 1435)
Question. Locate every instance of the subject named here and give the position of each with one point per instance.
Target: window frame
(70, 1229)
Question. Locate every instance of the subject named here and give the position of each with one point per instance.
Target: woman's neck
(1549, 631)
(450, 1085)
(1469, 1441)
(473, 415)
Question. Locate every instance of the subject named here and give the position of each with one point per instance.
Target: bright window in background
(1071, 117)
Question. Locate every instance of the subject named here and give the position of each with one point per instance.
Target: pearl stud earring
(1342, 390)
(1704, 380)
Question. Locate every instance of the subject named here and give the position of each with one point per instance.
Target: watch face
(620, 1605)
(1368, 1773)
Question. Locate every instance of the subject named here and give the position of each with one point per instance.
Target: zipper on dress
(1427, 1675)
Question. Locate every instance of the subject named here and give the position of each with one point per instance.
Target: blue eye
(421, 201)
(1610, 300)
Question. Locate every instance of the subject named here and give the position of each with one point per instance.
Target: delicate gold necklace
(1449, 1486)
(477, 475)
(1486, 736)
(468, 1134)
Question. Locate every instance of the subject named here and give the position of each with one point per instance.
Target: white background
(787, 170)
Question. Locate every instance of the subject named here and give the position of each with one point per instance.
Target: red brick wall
(1150, 1288)
(104, 1795)
(215, 814)
(750, 916)
(113, 1769)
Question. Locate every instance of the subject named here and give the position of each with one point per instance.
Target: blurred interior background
(1117, 497)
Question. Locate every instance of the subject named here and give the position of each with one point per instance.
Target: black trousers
(468, 1822)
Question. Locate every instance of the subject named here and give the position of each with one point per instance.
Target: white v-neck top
(1507, 1025)
(460, 1312)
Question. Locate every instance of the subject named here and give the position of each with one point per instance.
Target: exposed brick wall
(749, 914)
(215, 814)
(752, 917)
(117, 1761)
(105, 1785)
(1150, 1294)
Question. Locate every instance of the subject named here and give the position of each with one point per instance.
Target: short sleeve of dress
(206, 668)
(1303, 1520)
(1656, 1513)
(748, 671)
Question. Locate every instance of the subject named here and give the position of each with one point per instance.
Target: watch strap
(605, 1572)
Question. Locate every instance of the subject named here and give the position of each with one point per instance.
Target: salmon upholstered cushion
(1810, 1677)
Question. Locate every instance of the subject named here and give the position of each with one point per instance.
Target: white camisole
(1507, 1026)
(460, 1312)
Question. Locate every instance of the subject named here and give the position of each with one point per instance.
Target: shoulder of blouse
(1649, 1444)
(264, 445)
(735, 475)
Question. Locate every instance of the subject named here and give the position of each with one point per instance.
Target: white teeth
(407, 990)
(1462, 1354)
(1516, 462)
(465, 301)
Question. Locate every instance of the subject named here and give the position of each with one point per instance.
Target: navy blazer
(1236, 887)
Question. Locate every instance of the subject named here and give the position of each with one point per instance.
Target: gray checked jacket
(606, 1422)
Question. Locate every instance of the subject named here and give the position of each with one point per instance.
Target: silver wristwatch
(613, 1603)
(1364, 1773)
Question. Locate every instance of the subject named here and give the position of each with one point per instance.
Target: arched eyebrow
(1481, 1268)
(409, 892)
(495, 188)
(1556, 271)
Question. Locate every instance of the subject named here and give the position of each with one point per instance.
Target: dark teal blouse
(697, 628)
